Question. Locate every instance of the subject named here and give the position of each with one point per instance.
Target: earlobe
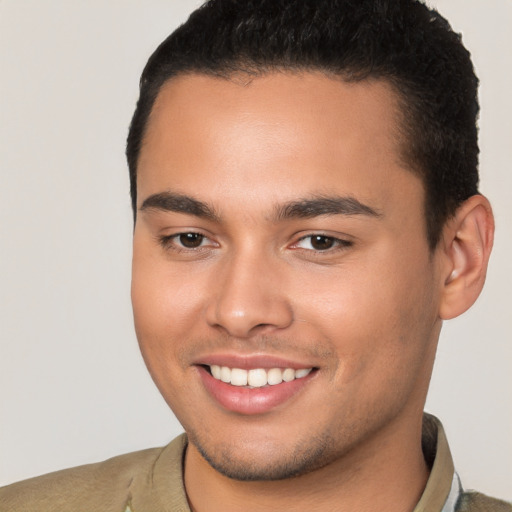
(467, 243)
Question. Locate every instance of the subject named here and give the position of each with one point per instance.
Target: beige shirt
(152, 481)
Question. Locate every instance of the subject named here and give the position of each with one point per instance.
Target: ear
(466, 245)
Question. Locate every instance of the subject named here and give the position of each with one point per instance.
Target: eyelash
(168, 242)
(338, 244)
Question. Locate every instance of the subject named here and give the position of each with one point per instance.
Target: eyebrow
(317, 206)
(179, 203)
(309, 207)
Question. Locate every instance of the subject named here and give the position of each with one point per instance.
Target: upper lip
(247, 362)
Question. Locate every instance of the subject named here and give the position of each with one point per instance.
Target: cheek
(166, 306)
(378, 315)
(165, 298)
(164, 312)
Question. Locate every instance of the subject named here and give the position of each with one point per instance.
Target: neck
(389, 470)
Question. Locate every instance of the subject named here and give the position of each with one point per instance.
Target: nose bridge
(249, 294)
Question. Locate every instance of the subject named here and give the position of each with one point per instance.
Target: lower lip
(249, 401)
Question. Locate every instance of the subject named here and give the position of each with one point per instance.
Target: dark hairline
(401, 129)
(406, 43)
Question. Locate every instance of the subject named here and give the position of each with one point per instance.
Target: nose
(249, 297)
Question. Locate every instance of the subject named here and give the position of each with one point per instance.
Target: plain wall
(73, 385)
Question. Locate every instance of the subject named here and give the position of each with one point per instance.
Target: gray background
(73, 385)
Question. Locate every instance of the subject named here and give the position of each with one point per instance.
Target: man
(304, 183)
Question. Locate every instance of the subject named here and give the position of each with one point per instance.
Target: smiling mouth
(256, 377)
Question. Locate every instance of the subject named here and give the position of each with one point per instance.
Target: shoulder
(107, 485)
(471, 501)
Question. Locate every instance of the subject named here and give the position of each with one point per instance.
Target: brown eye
(191, 240)
(322, 243)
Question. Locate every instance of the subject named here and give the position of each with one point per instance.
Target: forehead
(272, 135)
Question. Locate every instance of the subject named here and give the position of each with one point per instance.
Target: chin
(269, 464)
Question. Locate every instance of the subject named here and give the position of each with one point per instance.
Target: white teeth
(299, 374)
(257, 377)
(274, 376)
(215, 369)
(225, 374)
(288, 375)
(238, 377)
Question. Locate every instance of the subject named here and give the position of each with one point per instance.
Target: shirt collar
(443, 486)
(440, 495)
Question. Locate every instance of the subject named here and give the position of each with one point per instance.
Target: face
(285, 299)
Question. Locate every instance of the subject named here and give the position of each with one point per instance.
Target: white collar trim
(453, 497)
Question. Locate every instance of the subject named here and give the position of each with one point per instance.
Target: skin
(366, 312)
